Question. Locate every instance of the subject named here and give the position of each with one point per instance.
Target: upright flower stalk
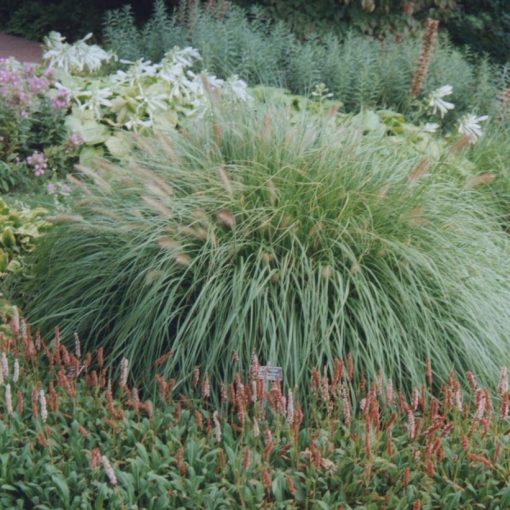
(423, 62)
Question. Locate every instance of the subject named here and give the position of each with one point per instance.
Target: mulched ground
(21, 49)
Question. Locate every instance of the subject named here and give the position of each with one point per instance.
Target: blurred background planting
(481, 25)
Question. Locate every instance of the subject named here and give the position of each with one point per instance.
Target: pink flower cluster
(38, 162)
(62, 99)
(22, 85)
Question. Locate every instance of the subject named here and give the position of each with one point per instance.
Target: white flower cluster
(437, 103)
(144, 94)
(77, 57)
(469, 124)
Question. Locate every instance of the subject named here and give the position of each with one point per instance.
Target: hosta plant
(140, 97)
(72, 437)
(18, 231)
(289, 236)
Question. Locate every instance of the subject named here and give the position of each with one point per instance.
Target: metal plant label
(270, 373)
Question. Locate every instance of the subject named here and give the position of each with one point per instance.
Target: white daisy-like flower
(470, 126)
(430, 127)
(437, 103)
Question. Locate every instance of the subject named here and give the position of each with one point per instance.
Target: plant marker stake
(268, 373)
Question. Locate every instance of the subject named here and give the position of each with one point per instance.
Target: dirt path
(21, 49)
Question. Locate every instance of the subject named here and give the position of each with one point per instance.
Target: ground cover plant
(284, 234)
(73, 437)
(358, 71)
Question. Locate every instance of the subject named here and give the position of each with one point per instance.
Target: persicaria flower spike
(8, 399)
(42, 403)
(124, 368)
(217, 427)
(15, 372)
(110, 474)
(503, 381)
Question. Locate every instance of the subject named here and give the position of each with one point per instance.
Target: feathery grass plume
(423, 62)
(430, 259)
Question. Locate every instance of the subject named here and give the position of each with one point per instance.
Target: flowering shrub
(34, 141)
(73, 438)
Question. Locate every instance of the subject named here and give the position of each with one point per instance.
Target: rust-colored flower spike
(206, 388)
(472, 381)
(247, 459)
(504, 98)
(428, 372)
(95, 458)
(266, 478)
(100, 357)
(422, 64)
(504, 406)
(196, 376)
(503, 381)
(19, 397)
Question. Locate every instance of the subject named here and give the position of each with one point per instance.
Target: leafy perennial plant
(73, 438)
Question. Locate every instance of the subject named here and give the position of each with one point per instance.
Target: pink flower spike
(503, 381)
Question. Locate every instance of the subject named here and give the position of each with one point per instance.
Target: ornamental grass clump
(287, 236)
(348, 445)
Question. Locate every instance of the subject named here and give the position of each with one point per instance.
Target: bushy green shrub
(72, 438)
(33, 19)
(284, 235)
(491, 156)
(360, 72)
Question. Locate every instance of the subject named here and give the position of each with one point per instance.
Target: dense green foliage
(491, 154)
(70, 440)
(284, 235)
(360, 72)
(18, 231)
(483, 25)
(381, 17)
(33, 19)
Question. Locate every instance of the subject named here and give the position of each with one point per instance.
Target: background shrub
(286, 236)
(360, 72)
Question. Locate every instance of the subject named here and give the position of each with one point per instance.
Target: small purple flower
(62, 99)
(38, 162)
(75, 140)
(37, 84)
(52, 189)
